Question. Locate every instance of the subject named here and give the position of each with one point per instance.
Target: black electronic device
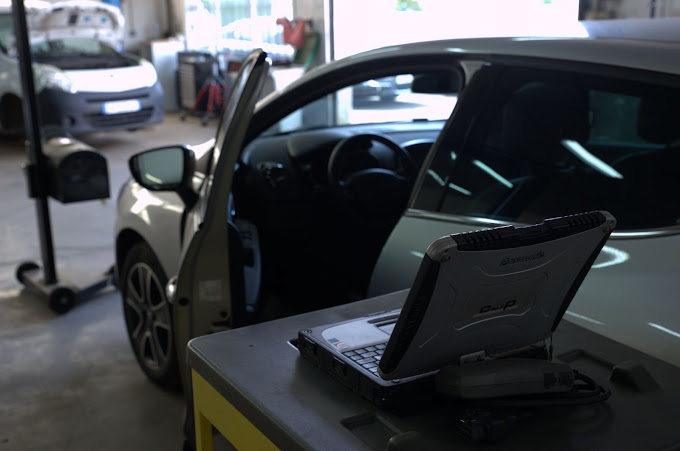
(505, 377)
(75, 171)
(479, 296)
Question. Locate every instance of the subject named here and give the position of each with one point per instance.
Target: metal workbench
(252, 385)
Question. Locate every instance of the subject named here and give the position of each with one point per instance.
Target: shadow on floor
(71, 381)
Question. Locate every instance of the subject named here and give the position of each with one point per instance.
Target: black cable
(589, 392)
(489, 420)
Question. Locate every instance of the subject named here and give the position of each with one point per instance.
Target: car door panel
(203, 298)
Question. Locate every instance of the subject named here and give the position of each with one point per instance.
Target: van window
(550, 144)
(6, 32)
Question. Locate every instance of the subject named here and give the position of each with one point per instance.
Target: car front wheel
(148, 316)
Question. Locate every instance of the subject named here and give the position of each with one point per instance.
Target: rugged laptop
(477, 296)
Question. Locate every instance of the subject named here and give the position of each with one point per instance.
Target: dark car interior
(556, 144)
(314, 203)
(323, 203)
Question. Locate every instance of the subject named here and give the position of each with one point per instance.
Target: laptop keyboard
(367, 357)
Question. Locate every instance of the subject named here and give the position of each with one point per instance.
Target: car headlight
(54, 78)
(148, 72)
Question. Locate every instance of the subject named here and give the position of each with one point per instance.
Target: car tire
(148, 316)
(12, 116)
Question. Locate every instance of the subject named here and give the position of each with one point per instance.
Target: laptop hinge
(539, 350)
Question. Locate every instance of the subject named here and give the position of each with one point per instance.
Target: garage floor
(70, 381)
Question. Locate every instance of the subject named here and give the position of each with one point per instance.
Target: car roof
(661, 56)
(647, 44)
(603, 47)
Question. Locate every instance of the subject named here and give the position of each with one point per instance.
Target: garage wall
(177, 15)
(144, 21)
(318, 12)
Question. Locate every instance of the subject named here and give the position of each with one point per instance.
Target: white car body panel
(96, 20)
(113, 80)
(138, 209)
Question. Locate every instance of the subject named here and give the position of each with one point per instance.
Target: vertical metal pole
(652, 9)
(32, 130)
(172, 26)
(329, 31)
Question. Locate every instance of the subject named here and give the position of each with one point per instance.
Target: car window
(72, 46)
(381, 100)
(548, 143)
(6, 31)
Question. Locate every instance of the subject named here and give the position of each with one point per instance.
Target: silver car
(303, 202)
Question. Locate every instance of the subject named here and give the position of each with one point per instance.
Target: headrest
(659, 119)
(539, 116)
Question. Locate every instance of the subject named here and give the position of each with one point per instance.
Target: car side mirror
(436, 83)
(165, 169)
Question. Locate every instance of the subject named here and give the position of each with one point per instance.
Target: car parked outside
(84, 82)
(303, 201)
(240, 37)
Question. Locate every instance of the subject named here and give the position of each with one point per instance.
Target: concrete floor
(71, 381)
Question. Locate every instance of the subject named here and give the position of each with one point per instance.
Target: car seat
(652, 187)
(535, 121)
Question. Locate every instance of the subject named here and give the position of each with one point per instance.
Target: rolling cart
(202, 90)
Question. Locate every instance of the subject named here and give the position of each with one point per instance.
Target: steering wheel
(371, 186)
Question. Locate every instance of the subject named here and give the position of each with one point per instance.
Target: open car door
(203, 290)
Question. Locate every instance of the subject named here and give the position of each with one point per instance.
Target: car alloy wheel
(148, 316)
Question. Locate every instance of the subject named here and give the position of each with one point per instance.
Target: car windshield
(381, 100)
(71, 47)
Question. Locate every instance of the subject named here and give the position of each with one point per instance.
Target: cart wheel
(25, 266)
(62, 299)
(183, 115)
(205, 120)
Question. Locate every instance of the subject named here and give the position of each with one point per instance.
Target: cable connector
(479, 425)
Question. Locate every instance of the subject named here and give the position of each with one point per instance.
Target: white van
(84, 83)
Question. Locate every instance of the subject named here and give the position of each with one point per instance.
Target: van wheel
(148, 316)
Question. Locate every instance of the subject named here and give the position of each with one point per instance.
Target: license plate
(121, 106)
